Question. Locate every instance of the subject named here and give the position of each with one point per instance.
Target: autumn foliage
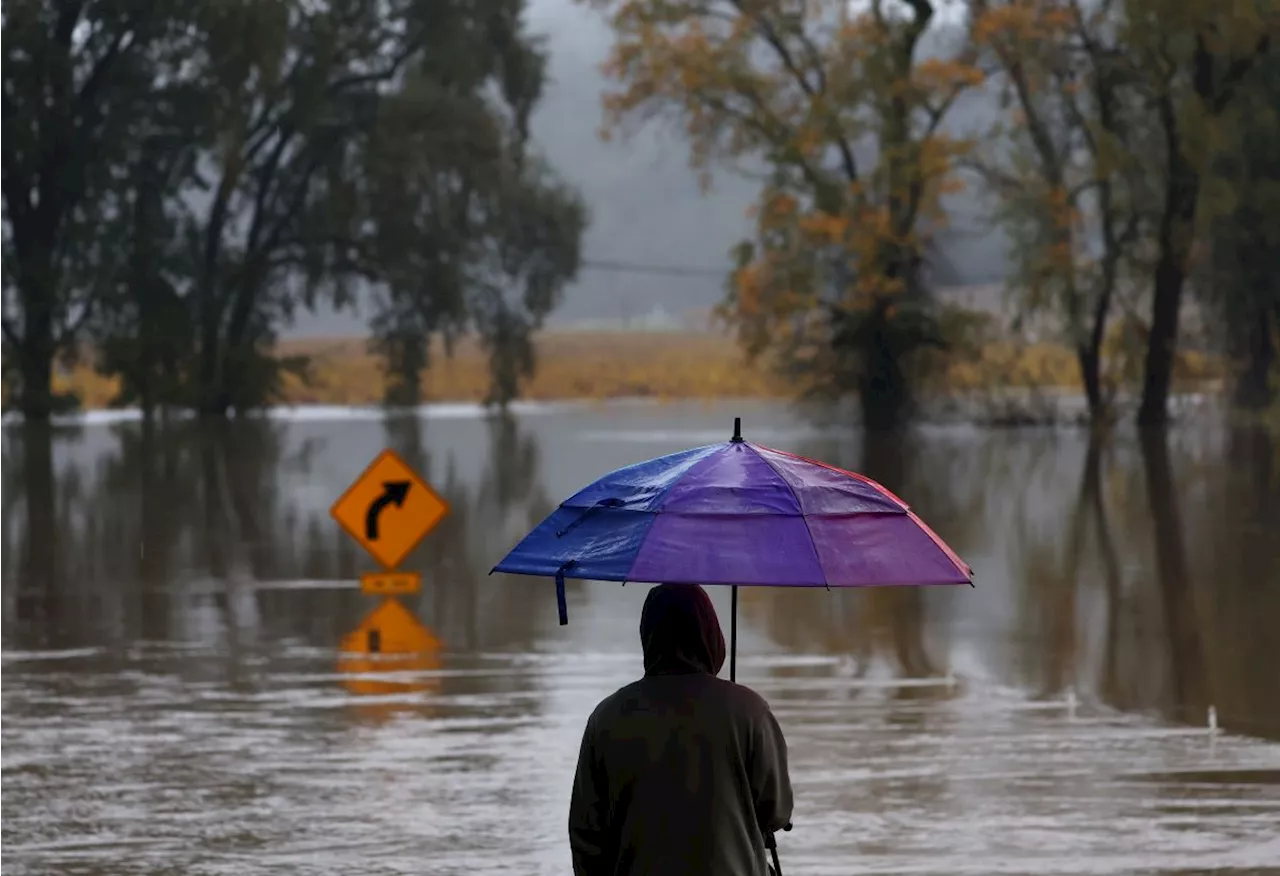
(1113, 116)
(1059, 167)
(844, 108)
(1107, 164)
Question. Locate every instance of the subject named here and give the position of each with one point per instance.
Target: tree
(292, 93)
(496, 241)
(1190, 59)
(473, 231)
(76, 79)
(1064, 175)
(305, 149)
(142, 326)
(1244, 286)
(846, 118)
(535, 248)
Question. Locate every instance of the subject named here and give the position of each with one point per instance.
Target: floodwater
(174, 702)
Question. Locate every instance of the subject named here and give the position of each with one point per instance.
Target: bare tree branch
(777, 43)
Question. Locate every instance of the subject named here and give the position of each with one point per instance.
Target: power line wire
(663, 270)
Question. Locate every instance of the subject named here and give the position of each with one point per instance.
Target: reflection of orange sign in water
(389, 653)
(389, 629)
(380, 683)
(389, 674)
(390, 583)
(389, 509)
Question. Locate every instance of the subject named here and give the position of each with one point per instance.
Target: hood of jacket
(679, 631)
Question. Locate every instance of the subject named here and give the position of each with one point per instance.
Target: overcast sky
(644, 201)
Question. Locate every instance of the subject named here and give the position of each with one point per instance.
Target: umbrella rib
(611, 502)
(799, 506)
(951, 555)
(875, 485)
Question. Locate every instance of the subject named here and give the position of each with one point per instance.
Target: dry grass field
(603, 365)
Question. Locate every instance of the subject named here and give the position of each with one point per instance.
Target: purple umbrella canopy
(735, 513)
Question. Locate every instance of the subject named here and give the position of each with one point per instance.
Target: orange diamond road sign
(389, 509)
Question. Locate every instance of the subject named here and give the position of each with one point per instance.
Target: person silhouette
(680, 772)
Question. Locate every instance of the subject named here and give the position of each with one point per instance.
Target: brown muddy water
(173, 702)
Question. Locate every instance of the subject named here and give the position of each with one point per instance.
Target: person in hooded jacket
(680, 772)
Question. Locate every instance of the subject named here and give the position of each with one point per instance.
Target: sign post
(388, 510)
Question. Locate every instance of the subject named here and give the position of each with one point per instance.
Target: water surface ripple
(148, 769)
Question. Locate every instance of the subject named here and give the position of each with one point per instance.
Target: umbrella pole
(733, 611)
(733, 635)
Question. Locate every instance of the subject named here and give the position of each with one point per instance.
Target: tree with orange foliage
(1065, 175)
(846, 113)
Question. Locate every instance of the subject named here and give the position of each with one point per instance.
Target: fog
(645, 203)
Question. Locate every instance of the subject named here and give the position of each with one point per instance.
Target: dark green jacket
(679, 772)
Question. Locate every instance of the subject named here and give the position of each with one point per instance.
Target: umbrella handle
(733, 635)
(771, 843)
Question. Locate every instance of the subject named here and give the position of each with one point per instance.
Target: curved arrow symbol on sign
(393, 493)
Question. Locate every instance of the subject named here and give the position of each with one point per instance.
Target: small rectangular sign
(390, 583)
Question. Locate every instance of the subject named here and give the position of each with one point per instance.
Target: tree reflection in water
(468, 608)
(882, 624)
(1151, 583)
(165, 532)
(1136, 599)
(1140, 570)
(1234, 599)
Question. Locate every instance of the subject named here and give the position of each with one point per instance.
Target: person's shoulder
(611, 704)
(741, 696)
(737, 697)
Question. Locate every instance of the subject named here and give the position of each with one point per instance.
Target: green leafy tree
(1244, 283)
(474, 231)
(77, 76)
(302, 150)
(291, 94)
(142, 329)
(1189, 60)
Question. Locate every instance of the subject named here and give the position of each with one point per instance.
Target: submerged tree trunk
(41, 583)
(1089, 358)
(1253, 385)
(882, 390)
(35, 358)
(1214, 89)
(37, 346)
(1174, 240)
(1092, 493)
(885, 458)
(1182, 627)
(406, 358)
(1162, 340)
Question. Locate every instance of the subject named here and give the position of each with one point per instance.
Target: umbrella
(739, 514)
